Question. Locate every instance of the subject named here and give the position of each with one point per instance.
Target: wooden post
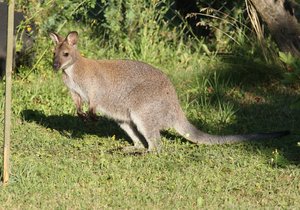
(8, 83)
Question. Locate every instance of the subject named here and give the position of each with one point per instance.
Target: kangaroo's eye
(65, 54)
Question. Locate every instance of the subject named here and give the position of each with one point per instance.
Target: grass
(60, 162)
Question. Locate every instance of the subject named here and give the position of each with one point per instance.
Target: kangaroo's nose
(56, 65)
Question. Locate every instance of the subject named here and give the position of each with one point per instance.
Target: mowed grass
(60, 162)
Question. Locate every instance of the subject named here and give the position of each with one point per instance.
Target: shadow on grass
(264, 106)
(73, 126)
(273, 116)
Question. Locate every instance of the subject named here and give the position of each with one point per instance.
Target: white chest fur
(73, 85)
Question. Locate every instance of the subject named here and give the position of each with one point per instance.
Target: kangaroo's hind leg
(137, 139)
(150, 132)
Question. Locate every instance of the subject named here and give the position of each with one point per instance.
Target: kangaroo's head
(65, 51)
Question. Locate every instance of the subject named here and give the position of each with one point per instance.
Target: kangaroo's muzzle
(56, 66)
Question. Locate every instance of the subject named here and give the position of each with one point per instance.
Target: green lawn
(60, 162)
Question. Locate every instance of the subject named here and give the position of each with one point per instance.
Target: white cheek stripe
(66, 65)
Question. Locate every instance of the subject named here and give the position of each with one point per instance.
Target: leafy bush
(293, 67)
(292, 76)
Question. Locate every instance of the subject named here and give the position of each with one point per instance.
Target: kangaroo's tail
(191, 133)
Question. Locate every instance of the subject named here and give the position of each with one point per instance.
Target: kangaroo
(139, 97)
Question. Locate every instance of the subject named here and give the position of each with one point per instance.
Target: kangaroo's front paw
(83, 116)
(89, 116)
(92, 116)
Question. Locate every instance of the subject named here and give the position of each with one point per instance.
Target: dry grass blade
(268, 54)
(254, 20)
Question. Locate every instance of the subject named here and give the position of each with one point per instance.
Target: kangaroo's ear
(56, 38)
(72, 38)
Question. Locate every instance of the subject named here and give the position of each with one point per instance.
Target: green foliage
(293, 67)
(292, 76)
(228, 23)
(145, 31)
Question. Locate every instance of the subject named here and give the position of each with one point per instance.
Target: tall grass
(145, 31)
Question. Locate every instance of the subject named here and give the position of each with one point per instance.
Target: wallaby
(139, 97)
